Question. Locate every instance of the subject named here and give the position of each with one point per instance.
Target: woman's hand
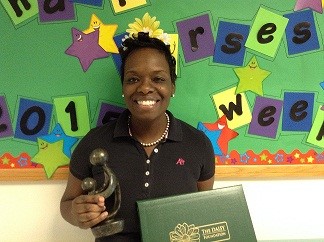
(88, 210)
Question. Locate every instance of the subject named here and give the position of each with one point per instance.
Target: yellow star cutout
(270, 161)
(263, 157)
(310, 159)
(251, 77)
(296, 155)
(302, 160)
(5, 160)
(106, 33)
(51, 156)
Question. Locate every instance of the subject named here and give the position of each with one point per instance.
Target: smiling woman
(152, 153)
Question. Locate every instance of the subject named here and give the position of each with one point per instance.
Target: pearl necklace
(164, 135)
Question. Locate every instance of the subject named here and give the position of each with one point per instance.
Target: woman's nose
(145, 86)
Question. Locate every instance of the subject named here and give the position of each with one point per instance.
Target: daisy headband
(149, 26)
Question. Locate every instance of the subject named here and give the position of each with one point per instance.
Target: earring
(123, 95)
(173, 95)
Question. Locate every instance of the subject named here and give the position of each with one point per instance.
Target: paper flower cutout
(86, 48)
(58, 134)
(106, 33)
(251, 77)
(149, 25)
(51, 156)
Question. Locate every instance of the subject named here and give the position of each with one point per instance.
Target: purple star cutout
(289, 159)
(316, 5)
(86, 48)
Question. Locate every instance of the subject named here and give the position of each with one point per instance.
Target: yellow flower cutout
(149, 25)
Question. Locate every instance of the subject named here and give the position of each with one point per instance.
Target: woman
(152, 153)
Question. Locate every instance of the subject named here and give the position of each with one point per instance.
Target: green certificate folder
(218, 215)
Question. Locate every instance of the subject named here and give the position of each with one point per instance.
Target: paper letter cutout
(230, 43)
(266, 32)
(297, 111)
(234, 106)
(301, 32)
(116, 57)
(316, 134)
(108, 113)
(55, 10)
(196, 37)
(73, 115)
(5, 121)
(123, 5)
(20, 10)
(265, 117)
(96, 3)
(34, 119)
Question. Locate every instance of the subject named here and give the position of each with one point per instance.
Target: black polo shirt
(174, 167)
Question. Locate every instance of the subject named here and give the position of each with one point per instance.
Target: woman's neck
(150, 131)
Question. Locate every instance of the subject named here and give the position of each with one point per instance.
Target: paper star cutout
(296, 155)
(106, 33)
(51, 156)
(213, 136)
(226, 133)
(316, 5)
(58, 134)
(251, 77)
(322, 85)
(263, 157)
(310, 159)
(5, 160)
(86, 48)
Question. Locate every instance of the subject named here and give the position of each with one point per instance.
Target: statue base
(107, 228)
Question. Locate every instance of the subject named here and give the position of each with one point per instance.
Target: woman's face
(147, 84)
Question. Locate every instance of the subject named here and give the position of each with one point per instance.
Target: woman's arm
(206, 185)
(79, 209)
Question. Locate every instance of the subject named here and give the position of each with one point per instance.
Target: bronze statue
(109, 226)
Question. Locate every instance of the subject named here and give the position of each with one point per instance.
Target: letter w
(232, 107)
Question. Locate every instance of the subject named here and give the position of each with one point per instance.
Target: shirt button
(147, 173)
(148, 161)
(146, 184)
(156, 150)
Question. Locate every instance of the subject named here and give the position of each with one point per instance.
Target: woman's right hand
(88, 210)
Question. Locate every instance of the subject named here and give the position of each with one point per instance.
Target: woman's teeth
(146, 103)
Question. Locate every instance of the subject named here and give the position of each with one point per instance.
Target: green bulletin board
(250, 75)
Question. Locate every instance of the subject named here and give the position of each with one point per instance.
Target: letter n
(16, 7)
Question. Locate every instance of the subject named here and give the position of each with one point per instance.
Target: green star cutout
(251, 77)
(51, 156)
(5, 161)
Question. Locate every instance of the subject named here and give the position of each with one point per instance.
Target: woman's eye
(132, 80)
(159, 79)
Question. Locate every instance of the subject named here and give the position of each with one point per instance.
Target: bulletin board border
(234, 172)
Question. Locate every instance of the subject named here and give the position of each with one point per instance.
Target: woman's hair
(144, 41)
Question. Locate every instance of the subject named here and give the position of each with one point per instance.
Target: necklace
(164, 135)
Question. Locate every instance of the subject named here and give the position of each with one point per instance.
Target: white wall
(280, 210)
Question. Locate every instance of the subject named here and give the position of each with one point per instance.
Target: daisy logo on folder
(191, 233)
